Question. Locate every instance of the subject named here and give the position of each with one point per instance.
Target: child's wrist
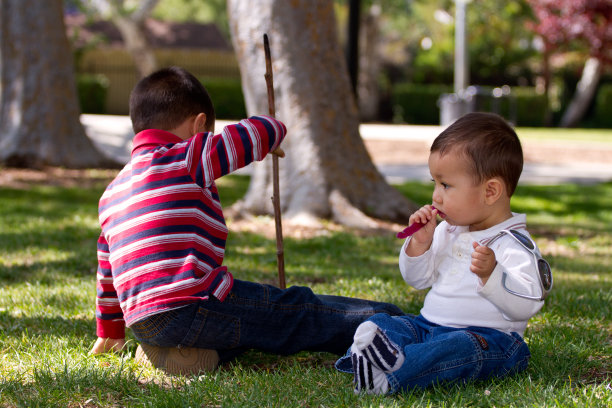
(415, 248)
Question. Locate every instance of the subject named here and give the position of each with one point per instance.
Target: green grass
(47, 290)
(566, 135)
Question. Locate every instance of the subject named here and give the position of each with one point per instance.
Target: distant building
(200, 48)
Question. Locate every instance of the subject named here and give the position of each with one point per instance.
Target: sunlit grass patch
(47, 291)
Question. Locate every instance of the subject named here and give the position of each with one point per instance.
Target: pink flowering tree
(588, 23)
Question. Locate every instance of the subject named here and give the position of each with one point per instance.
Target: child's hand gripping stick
(415, 226)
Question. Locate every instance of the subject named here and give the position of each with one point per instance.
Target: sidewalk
(113, 136)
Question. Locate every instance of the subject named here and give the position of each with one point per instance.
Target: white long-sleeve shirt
(457, 297)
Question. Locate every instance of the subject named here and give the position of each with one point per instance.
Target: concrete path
(113, 135)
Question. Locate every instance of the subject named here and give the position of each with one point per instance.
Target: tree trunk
(368, 93)
(39, 112)
(136, 44)
(131, 25)
(352, 43)
(130, 19)
(327, 172)
(585, 90)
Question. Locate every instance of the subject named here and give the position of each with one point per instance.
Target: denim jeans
(263, 317)
(436, 354)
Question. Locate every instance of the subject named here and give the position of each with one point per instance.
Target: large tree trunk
(39, 112)
(368, 93)
(327, 172)
(585, 90)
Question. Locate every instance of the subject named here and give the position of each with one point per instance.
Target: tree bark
(585, 91)
(136, 44)
(368, 86)
(130, 20)
(39, 112)
(132, 29)
(327, 171)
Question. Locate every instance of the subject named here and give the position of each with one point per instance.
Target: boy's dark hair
(489, 143)
(166, 98)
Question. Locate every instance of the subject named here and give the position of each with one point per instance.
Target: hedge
(92, 90)
(524, 106)
(227, 97)
(418, 104)
(603, 106)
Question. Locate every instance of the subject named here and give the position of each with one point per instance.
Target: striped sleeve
(109, 317)
(236, 147)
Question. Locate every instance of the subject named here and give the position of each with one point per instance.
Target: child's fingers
(482, 250)
(483, 260)
(422, 215)
(279, 152)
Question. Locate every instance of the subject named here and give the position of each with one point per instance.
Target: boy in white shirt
(486, 275)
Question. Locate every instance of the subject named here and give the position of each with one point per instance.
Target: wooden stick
(280, 252)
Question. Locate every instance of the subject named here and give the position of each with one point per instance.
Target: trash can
(453, 106)
(477, 98)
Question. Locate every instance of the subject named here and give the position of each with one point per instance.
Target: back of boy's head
(489, 143)
(166, 98)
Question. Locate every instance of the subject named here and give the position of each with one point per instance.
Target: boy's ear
(494, 188)
(199, 123)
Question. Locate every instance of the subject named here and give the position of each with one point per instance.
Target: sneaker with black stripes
(377, 348)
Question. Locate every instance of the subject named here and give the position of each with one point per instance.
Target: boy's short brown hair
(166, 98)
(489, 143)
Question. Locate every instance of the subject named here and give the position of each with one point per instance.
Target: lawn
(47, 290)
(581, 135)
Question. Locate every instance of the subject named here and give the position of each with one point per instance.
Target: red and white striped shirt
(163, 231)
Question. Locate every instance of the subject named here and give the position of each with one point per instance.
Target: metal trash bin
(477, 98)
(453, 106)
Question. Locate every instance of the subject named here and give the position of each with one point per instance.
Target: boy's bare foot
(174, 360)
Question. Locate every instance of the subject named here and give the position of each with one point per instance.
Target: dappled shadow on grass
(46, 254)
(55, 229)
(50, 326)
(312, 260)
(580, 299)
(232, 188)
(588, 207)
(79, 384)
(67, 237)
(261, 361)
(47, 272)
(48, 202)
(565, 199)
(46, 232)
(566, 208)
(566, 350)
(575, 262)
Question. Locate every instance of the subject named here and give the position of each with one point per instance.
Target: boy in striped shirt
(161, 250)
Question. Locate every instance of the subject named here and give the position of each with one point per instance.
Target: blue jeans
(263, 317)
(436, 354)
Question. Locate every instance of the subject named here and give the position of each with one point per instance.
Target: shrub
(530, 106)
(92, 90)
(417, 103)
(603, 106)
(523, 106)
(227, 97)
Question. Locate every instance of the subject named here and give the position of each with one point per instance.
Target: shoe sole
(177, 361)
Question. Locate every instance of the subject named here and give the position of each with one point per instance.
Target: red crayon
(414, 227)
